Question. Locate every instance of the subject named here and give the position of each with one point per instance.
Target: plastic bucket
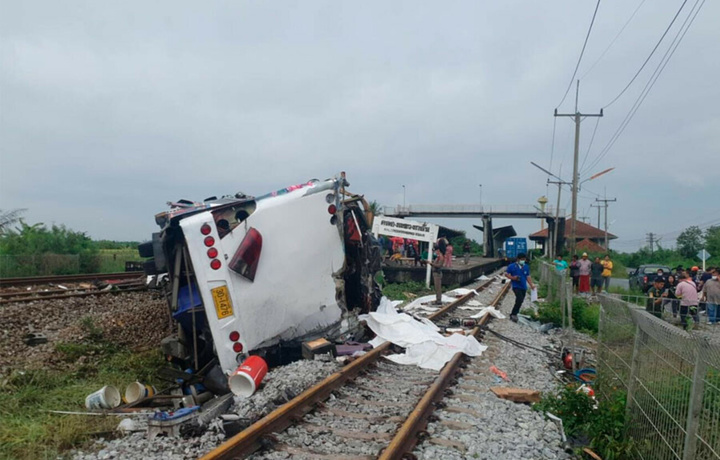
(107, 397)
(136, 391)
(247, 377)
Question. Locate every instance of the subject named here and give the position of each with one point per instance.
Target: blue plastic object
(174, 415)
(184, 311)
(586, 371)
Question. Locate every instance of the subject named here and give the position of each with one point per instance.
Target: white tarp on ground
(425, 346)
(428, 299)
(488, 310)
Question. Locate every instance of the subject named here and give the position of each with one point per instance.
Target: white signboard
(405, 228)
(402, 228)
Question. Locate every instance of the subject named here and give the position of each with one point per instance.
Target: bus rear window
(227, 218)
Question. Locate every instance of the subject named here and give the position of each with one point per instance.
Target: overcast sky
(110, 109)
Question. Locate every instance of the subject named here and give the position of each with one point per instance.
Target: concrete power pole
(577, 118)
(555, 235)
(605, 202)
(650, 238)
(598, 208)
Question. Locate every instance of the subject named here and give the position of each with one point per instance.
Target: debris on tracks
(518, 395)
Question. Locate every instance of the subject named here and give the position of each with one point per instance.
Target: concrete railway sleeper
(347, 416)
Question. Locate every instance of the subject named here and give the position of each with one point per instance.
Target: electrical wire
(651, 82)
(649, 56)
(613, 40)
(581, 53)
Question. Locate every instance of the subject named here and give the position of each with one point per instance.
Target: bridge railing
(466, 209)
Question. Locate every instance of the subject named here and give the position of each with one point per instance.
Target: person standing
(575, 272)
(686, 291)
(466, 251)
(607, 271)
(518, 273)
(448, 255)
(670, 285)
(711, 294)
(560, 264)
(584, 266)
(596, 276)
(656, 296)
(437, 266)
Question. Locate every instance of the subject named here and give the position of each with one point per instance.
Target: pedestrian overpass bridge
(484, 212)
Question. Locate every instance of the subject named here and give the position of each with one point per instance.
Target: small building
(588, 238)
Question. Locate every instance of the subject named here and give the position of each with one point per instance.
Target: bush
(583, 418)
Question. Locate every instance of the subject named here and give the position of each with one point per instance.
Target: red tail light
(237, 347)
(234, 336)
(246, 258)
(209, 241)
(205, 229)
(212, 253)
(332, 209)
(215, 264)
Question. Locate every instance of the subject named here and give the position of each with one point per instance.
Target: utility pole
(554, 243)
(577, 118)
(650, 238)
(605, 202)
(598, 208)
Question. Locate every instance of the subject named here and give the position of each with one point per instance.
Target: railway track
(84, 278)
(371, 408)
(78, 286)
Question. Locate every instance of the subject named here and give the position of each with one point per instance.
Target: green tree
(34, 248)
(690, 241)
(712, 243)
(9, 218)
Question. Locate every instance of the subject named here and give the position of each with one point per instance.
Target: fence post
(549, 282)
(634, 364)
(695, 406)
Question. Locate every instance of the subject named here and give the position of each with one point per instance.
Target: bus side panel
(293, 292)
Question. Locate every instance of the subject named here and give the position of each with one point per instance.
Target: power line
(651, 82)
(649, 56)
(572, 79)
(613, 40)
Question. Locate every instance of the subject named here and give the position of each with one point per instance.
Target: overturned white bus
(259, 275)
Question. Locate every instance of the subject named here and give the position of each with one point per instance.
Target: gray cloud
(107, 110)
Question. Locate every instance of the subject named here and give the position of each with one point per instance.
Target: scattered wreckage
(261, 275)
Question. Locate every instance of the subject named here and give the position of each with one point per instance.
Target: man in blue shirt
(519, 274)
(560, 264)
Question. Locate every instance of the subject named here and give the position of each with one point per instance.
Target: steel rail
(70, 294)
(407, 436)
(249, 440)
(89, 277)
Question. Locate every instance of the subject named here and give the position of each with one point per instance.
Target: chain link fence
(671, 379)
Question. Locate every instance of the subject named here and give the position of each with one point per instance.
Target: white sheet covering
(425, 346)
(488, 310)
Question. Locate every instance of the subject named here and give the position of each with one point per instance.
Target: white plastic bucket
(107, 397)
(136, 391)
(247, 377)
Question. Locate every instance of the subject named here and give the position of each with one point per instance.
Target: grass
(410, 290)
(28, 431)
(113, 260)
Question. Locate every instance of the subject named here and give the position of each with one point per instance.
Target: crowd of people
(687, 293)
(588, 277)
(396, 249)
(684, 292)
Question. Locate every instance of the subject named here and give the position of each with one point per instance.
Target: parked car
(644, 276)
(260, 275)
